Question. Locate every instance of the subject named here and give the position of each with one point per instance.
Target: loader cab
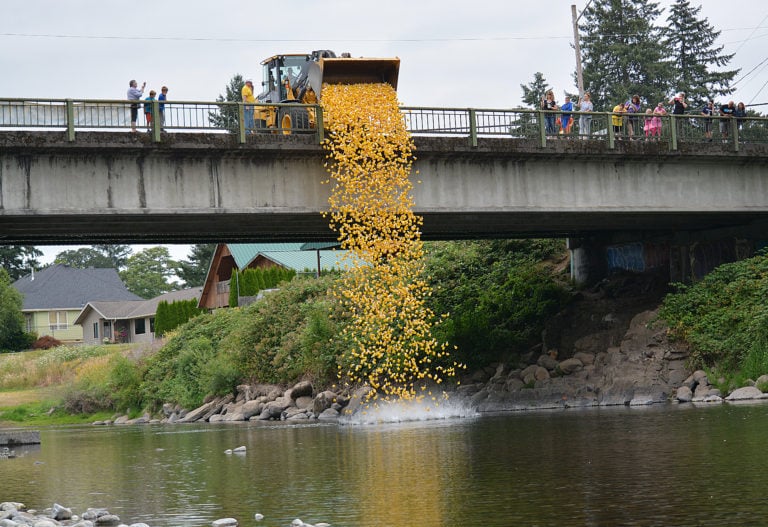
(275, 70)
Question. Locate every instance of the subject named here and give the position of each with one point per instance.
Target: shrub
(723, 317)
(45, 342)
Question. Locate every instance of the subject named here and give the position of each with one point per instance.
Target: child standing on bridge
(148, 109)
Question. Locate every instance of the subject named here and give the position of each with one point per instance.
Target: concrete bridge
(208, 187)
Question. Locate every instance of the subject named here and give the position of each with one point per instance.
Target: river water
(662, 465)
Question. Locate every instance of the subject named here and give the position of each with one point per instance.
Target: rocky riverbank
(14, 514)
(606, 349)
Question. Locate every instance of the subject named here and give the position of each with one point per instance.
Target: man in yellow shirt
(249, 100)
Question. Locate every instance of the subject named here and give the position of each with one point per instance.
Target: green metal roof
(244, 253)
(289, 255)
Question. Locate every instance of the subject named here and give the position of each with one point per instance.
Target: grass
(33, 384)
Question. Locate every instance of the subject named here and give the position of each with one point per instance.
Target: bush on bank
(724, 320)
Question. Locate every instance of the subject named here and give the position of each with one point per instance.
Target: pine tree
(194, 270)
(234, 288)
(622, 53)
(690, 45)
(534, 93)
(228, 116)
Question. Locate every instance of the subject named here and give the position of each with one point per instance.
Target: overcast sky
(452, 53)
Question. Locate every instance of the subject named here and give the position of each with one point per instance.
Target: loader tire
(295, 121)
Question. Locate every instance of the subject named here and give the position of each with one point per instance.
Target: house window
(139, 326)
(108, 329)
(29, 322)
(57, 320)
(96, 330)
(152, 325)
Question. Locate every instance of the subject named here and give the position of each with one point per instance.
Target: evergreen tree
(228, 116)
(18, 260)
(689, 42)
(234, 289)
(193, 271)
(534, 92)
(622, 53)
(161, 318)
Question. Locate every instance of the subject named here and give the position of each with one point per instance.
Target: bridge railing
(474, 123)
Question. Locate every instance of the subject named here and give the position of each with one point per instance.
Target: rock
(304, 402)
(742, 394)
(684, 394)
(239, 450)
(224, 522)
(301, 389)
(328, 413)
(323, 401)
(44, 523)
(12, 506)
(762, 380)
(358, 398)
(547, 361)
(584, 357)
(274, 409)
(138, 525)
(197, 413)
(251, 408)
(61, 513)
(540, 374)
(123, 419)
(258, 517)
(107, 519)
(569, 366)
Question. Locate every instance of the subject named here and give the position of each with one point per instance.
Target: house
(55, 296)
(301, 257)
(126, 320)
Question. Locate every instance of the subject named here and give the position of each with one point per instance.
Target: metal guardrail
(228, 117)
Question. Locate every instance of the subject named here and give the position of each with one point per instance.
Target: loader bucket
(355, 71)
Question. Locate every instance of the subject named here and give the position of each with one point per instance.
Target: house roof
(129, 309)
(63, 287)
(296, 256)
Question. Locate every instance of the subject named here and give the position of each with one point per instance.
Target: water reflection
(671, 465)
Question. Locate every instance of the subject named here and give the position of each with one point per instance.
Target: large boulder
(746, 393)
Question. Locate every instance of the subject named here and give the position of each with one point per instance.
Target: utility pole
(579, 72)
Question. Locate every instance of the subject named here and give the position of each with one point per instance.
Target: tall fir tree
(690, 45)
(534, 92)
(228, 115)
(194, 270)
(622, 53)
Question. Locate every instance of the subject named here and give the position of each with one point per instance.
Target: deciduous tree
(18, 260)
(147, 272)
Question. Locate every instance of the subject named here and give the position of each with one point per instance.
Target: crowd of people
(135, 94)
(628, 119)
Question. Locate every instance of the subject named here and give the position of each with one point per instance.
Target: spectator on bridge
(618, 119)
(549, 105)
(657, 120)
(632, 107)
(566, 121)
(134, 94)
(585, 121)
(249, 100)
(162, 98)
(741, 111)
(678, 108)
(708, 111)
(148, 109)
(726, 114)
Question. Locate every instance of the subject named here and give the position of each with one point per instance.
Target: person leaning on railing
(678, 108)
